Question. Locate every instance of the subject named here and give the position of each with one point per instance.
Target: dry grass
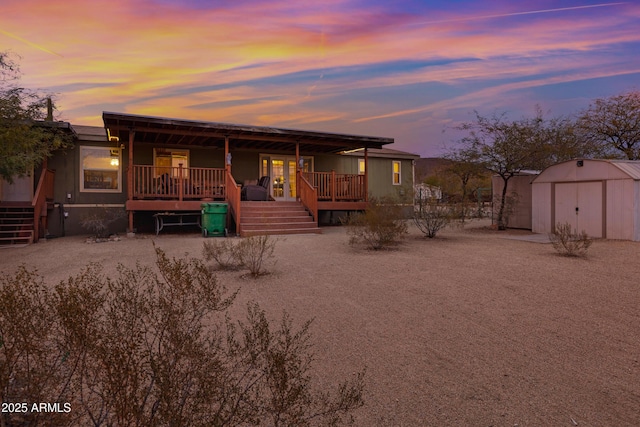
(468, 328)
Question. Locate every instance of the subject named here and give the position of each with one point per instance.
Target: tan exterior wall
(521, 186)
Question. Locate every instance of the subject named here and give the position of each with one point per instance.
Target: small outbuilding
(518, 204)
(601, 197)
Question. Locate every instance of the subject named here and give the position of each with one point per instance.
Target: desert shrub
(430, 217)
(569, 242)
(224, 252)
(255, 252)
(31, 364)
(98, 222)
(380, 226)
(157, 347)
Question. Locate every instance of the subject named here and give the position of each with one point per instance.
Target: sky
(406, 69)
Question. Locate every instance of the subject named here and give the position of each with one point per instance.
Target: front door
(283, 178)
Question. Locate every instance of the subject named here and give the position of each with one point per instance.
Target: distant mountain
(427, 166)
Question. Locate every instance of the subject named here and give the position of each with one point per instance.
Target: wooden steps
(16, 224)
(259, 218)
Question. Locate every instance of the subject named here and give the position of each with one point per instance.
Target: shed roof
(591, 169)
(159, 130)
(630, 167)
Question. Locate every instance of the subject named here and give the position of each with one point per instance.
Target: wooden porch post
(366, 175)
(180, 183)
(298, 170)
(227, 166)
(333, 185)
(130, 177)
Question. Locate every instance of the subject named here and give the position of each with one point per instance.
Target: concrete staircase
(16, 224)
(258, 218)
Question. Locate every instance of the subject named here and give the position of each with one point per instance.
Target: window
(100, 169)
(361, 167)
(396, 173)
(168, 161)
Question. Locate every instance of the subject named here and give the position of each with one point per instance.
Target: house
(601, 197)
(146, 166)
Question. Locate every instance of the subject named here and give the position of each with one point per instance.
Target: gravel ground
(469, 328)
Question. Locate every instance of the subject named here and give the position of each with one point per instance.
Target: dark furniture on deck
(259, 192)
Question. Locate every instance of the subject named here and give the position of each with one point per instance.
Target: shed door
(580, 204)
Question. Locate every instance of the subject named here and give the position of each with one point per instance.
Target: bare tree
(505, 148)
(613, 125)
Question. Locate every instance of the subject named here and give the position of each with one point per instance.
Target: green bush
(380, 226)
(156, 347)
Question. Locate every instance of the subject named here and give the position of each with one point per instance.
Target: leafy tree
(613, 125)
(25, 139)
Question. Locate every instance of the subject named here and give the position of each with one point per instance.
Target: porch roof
(158, 130)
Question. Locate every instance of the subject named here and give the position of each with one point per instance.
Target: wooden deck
(154, 182)
(180, 189)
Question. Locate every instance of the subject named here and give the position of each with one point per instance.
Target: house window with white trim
(396, 172)
(361, 166)
(100, 169)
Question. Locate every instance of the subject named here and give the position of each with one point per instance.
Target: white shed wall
(620, 209)
(541, 207)
(620, 197)
(636, 210)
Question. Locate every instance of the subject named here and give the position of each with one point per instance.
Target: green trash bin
(214, 219)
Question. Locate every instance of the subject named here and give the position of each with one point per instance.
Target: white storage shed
(601, 197)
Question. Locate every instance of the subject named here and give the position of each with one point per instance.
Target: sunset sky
(407, 69)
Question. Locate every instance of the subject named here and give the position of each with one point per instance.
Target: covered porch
(232, 152)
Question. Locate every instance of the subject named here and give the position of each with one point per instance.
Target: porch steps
(259, 218)
(16, 224)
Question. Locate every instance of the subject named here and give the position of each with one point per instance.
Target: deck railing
(43, 194)
(156, 182)
(233, 191)
(308, 196)
(337, 186)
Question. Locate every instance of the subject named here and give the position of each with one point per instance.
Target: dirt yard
(470, 328)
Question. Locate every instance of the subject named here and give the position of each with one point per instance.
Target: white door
(283, 178)
(580, 204)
